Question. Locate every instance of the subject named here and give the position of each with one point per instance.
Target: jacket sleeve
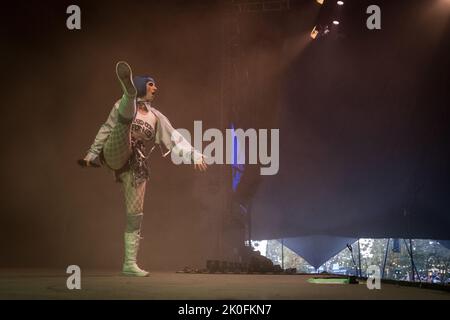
(103, 133)
(170, 140)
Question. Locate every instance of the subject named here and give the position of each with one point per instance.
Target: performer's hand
(200, 164)
(87, 162)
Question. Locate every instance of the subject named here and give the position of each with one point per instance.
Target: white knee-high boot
(127, 107)
(130, 267)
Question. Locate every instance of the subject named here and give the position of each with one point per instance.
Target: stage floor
(46, 284)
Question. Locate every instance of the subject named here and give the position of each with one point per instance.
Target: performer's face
(151, 91)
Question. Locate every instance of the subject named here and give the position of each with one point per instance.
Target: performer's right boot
(127, 108)
(130, 267)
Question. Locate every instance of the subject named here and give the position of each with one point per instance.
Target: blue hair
(140, 82)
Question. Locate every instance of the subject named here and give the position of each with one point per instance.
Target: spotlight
(314, 33)
(335, 22)
(340, 3)
(320, 31)
(320, 1)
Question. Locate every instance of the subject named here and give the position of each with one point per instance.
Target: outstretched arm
(186, 151)
(173, 141)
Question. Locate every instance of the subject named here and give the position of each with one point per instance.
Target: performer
(123, 144)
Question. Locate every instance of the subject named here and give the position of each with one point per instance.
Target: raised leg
(117, 149)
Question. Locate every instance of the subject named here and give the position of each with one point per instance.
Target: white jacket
(166, 137)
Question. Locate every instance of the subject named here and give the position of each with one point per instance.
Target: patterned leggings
(117, 151)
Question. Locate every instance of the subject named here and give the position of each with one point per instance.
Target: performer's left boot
(127, 107)
(130, 267)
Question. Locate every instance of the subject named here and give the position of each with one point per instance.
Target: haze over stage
(363, 118)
